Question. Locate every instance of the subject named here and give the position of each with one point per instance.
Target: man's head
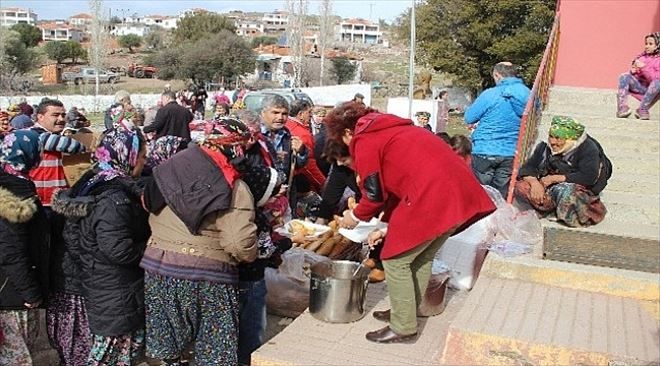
(503, 70)
(358, 98)
(274, 111)
(51, 115)
(301, 110)
(167, 97)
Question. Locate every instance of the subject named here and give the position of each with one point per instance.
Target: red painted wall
(600, 38)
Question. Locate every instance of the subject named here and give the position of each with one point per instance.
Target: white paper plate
(318, 229)
(360, 233)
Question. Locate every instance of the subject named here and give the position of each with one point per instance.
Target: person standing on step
(642, 81)
(497, 113)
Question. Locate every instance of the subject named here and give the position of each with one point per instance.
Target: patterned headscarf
(121, 118)
(227, 134)
(423, 114)
(565, 128)
(20, 152)
(116, 155)
(656, 37)
(162, 149)
(13, 110)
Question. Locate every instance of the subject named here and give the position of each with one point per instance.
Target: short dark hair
(335, 150)
(358, 96)
(45, 103)
(506, 69)
(461, 144)
(169, 94)
(224, 106)
(444, 136)
(299, 105)
(442, 93)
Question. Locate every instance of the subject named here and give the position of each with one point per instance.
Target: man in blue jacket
(496, 114)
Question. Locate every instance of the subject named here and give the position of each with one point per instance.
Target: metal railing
(538, 100)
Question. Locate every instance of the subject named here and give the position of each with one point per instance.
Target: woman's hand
(639, 64)
(536, 190)
(347, 221)
(375, 238)
(549, 180)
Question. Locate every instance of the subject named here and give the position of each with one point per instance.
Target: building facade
(275, 22)
(359, 31)
(12, 16)
(82, 20)
(126, 29)
(60, 32)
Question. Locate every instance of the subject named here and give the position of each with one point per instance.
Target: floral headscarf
(228, 135)
(162, 149)
(565, 128)
(20, 152)
(116, 155)
(122, 118)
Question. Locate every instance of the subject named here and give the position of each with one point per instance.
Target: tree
(57, 50)
(221, 55)
(263, 40)
(30, 35)
(466, 38)
(129, 41)
(75, 51)
(15, 57)
(155, 39)
(199, 25)
(343, 69)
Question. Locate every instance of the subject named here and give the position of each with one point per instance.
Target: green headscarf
(564, 127)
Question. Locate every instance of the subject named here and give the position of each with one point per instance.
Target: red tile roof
(81, 16)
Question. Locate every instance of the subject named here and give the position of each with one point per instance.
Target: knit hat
(423, 114)
(263, 182)
(565, 128)
(20, 151)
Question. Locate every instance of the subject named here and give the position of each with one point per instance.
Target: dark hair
(297, 106)
(45, 103)
(506, 69)
(335, 150)
(169, 94)
(442, 93)
(274, 101)
(343, 117)
(358, 96)
(461, 144)
(224, 106)
(444, 136)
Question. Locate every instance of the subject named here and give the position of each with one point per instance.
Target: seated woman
(565, 175)
(642, 81)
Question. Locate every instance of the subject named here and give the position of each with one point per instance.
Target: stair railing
(538, 100)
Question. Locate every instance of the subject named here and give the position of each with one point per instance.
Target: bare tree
(325, 32)
(296, 36)
(98, 39)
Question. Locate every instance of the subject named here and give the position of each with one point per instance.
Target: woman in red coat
(426, 193)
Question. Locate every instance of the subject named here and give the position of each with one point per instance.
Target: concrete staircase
(528, 310)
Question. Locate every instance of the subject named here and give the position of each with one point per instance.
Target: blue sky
(60, 9)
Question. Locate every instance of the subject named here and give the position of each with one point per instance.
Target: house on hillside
(166, 22)
(126, 29)
(275, 22)
(60, 31)
(11, 16)
(358, 30)
(81, 20)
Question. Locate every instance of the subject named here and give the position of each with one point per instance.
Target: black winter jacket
(581, 166)
(24, 244)
(106, 232)
(172, 119)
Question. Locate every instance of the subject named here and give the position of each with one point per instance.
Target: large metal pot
(336, 295)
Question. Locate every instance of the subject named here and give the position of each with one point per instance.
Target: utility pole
(98, 41)
(411, 65)
(325, 32)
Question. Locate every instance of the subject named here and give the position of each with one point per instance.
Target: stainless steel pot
(335, 294)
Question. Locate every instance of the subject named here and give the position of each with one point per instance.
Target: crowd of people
(163, 242)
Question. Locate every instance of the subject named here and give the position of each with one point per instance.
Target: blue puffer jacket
(498, 111)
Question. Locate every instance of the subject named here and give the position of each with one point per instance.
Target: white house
(248, 28)
(170, 22)
(81, 20)
(166, 22)
(11, 16)
(133, 28)
(275, 22)
(358, 31)
(60, 32)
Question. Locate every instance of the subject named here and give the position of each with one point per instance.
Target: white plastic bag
(360, 233)
(288, 286)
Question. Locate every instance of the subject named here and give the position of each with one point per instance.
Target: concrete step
(590, 97)
(515, 322)
(626, 127)
(638, 183)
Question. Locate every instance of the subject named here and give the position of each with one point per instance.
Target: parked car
(253, 99)
(88, 75)
(142, 71)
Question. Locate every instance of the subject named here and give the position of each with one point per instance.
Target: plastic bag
(360, 233)
(288, 286)
(509, 248)
(522, 227)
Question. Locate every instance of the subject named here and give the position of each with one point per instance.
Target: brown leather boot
(376, 275)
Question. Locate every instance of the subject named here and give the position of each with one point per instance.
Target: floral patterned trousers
(20, 329)
(628, 84)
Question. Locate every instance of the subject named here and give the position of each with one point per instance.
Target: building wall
(600, 38)
(9, 18)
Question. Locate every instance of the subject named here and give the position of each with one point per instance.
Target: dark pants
(494, 171)
(252, 318)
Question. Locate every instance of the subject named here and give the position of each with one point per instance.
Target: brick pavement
(308, 341)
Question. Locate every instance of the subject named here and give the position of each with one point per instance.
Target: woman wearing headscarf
(565, 175)
(203, 227)
(106, 231)
(24, 254)
(5, 126)
(642, 81)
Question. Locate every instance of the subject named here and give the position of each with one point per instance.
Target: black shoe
(387, 335)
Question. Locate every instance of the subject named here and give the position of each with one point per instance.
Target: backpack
(605, 168)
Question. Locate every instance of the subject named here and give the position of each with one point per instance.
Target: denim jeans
(494, 171)
(252, 318)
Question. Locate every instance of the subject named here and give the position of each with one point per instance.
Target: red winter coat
(311, 171)
(423, 187)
